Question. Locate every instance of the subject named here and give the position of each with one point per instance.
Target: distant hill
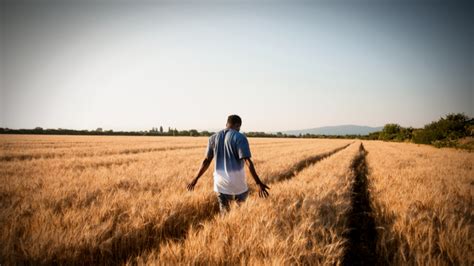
(336, 130)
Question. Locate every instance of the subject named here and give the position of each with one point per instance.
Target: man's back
(229, 147)
(232, 152)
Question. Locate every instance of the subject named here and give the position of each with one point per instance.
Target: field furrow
(361, 233)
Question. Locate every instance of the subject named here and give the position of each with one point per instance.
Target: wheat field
(122, 200)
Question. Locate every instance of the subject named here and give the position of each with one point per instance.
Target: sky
(280, 65)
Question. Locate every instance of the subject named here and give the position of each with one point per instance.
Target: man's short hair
(234, 120)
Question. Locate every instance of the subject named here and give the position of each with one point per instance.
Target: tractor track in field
(306, 162)
(116, 247)
(362, 234)
(129, 151)
(29, 157)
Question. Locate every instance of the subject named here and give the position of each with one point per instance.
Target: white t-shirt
(229, 147)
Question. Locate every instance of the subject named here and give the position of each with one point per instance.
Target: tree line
(155, 131)
(446, 132)
(100, 131)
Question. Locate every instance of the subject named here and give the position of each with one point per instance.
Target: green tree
(390, 132)
(443, 132)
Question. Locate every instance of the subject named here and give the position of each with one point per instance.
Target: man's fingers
(263, 193)
(266, 193)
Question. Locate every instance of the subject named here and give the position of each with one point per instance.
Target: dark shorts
(225, 199)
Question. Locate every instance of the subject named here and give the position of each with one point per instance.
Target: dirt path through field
(299, 166)
(53, 155)
(362, 236)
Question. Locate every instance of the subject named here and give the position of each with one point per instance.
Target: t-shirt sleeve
(243, 148)
(210, 148)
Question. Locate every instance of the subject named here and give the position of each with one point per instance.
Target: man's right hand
(262, 190)
(191, 185)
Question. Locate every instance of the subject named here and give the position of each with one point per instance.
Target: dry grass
(103, 200)
(302, 222)
(423, 203)
(97, 203)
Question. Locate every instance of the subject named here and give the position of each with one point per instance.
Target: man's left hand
(191, 185)
(262, 191)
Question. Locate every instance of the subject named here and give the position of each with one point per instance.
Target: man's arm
(262, 187)
(205, 164)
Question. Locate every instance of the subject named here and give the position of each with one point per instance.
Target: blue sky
(280, 65)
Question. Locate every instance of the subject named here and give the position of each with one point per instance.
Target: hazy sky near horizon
(280, 65)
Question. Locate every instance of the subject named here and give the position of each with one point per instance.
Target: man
(232, 151)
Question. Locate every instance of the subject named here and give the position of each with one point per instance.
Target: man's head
(234, 122)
